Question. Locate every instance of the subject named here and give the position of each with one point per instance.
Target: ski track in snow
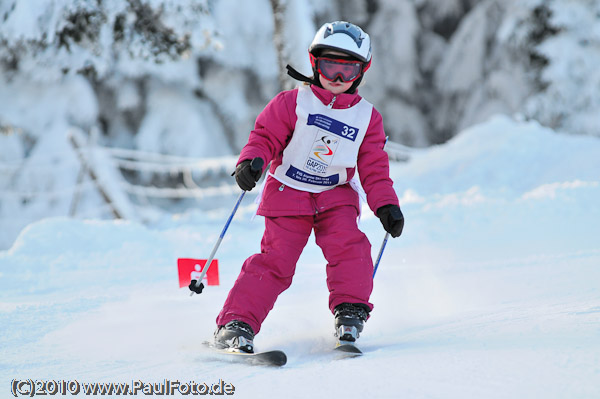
(491, 292)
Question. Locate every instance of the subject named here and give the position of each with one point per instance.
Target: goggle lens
(332, 69)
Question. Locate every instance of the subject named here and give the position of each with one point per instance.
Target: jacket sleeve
(273, 128)
(374, 167)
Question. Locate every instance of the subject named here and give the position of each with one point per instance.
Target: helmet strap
(298, 76)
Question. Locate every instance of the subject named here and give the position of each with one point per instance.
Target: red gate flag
(190, 269)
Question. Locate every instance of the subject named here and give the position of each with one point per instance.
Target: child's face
(334, 87)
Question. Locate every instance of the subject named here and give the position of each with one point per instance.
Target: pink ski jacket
(272, 132)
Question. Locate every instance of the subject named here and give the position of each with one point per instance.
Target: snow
(569, 66)
(178, 125)
(237, 22)
(438, 68)
(491, 291)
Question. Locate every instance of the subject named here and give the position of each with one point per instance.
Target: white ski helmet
(345, 37)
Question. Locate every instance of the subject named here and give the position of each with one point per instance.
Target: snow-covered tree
(188, 77)
(570, 98)
(48, 39)
(81, 64)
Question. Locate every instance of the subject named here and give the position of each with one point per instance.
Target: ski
(275, 358)
(347, 349)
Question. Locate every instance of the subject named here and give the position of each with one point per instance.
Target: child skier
(315, 137)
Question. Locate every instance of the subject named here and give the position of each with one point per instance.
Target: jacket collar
(343, 100)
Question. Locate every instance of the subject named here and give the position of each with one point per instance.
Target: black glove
(392, 219)
(196, 289)
(248, 172)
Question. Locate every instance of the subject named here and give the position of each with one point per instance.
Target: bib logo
(322, 152)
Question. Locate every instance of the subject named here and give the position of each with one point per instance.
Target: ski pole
(256, 165)
(387, 235)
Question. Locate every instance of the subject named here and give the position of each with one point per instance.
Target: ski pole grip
(257, 164)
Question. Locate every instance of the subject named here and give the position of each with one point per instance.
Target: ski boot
(349, 321)
(235, 336)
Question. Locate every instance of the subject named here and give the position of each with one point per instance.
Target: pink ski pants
(266, 275)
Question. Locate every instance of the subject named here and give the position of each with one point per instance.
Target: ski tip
(348, 348)
(277, 358)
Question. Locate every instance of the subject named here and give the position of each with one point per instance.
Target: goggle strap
(291, 71)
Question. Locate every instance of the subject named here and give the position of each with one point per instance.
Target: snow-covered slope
(491, 292)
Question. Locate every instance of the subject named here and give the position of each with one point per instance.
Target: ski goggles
(333, 69)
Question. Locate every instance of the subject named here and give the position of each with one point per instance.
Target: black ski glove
(248, 172)
(196, 289)
(392, 219)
